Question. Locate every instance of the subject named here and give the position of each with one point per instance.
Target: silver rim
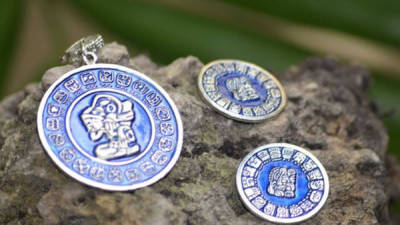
(235, 116)
(92, 183)
(256, 211)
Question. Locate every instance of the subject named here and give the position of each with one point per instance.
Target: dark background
(274, 34)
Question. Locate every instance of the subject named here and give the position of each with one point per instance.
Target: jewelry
(109, 126)
(282, 183)
(241, 91)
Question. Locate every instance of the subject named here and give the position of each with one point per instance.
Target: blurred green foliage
(167, 33)
(386, 93)
(378, 20)
(10, 13)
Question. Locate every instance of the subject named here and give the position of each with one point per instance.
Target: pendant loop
(84, 50)
(89, 57)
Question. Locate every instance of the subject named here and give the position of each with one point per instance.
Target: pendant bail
(83, 51)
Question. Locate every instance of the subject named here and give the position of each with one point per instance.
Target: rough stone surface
(327, 113)
(53, 74)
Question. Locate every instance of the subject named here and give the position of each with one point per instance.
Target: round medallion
(241, 90)
(282, 183)
(110, 127)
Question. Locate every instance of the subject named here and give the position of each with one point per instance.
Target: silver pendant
(241, 90)
(109, 126)
(282, 183)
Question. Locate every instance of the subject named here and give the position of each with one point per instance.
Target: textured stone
(114, 53)
(327, 112)
(51, 75)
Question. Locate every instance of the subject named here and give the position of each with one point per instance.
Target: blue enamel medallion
(241, 90)
(110, 127)
(282, 183)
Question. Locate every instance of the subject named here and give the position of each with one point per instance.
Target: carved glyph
(241, 89)
(282, 182)
(109, 117)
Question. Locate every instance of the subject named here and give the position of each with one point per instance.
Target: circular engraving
(110, 127)
(241, 90)
(282, 183)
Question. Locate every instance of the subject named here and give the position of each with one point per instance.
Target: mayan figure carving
(282, 182)
(109, 117)
(241, 89)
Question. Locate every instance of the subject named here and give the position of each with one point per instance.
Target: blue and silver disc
(241, 90)
(110, 127)
(282, 183)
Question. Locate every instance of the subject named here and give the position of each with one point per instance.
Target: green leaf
(10, 17)
(386, 93)
(168, 33)
(379, 20)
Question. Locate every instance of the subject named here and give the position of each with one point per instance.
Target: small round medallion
(110, 127)
(282, 183)
(241, 90)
